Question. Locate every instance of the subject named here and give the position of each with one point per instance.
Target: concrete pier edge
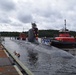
(25, 69)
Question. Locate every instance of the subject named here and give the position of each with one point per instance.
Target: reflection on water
(33, 57)
(70, 50)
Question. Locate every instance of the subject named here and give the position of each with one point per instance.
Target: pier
(6, 67)
(10, 65)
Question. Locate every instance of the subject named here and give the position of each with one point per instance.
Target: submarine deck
(42, 59)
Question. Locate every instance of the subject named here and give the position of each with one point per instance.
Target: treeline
(9, 34)
(42, 33)
(48, 33)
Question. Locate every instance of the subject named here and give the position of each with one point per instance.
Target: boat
(22, 36)
(64, 40)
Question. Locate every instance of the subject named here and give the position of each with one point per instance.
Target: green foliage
(42, 33)
(73, 33)
(9, 34)
(48, 33)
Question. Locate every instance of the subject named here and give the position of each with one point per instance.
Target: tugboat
(64, 40)
(22, 36)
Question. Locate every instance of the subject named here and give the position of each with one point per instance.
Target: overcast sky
(47, 14)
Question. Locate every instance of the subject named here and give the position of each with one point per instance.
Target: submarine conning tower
(33, 33)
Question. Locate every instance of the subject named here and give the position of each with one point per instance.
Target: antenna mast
(23, 29)
(65, 23)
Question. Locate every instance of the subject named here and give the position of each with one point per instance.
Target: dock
(6, 67)
(10, 65)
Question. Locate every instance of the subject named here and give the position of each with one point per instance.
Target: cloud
(25, 18)
(4, 18)
(48, 14)
(7, 5)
